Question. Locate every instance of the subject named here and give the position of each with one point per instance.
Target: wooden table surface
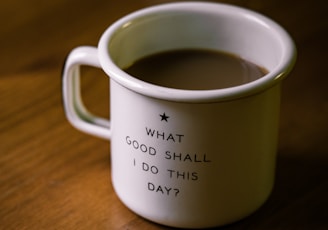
(55, 177)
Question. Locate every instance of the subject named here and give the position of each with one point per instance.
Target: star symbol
(164, 117)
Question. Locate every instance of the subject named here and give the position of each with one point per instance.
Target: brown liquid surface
(195, 70)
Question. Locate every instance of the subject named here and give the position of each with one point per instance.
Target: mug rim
(185, 95)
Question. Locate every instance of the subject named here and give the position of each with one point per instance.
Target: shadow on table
(299, 199)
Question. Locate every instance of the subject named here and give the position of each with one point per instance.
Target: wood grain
(54, 177)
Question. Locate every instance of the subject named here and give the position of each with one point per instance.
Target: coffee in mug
(195, 69)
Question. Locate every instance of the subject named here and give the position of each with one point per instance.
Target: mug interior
(221, 27)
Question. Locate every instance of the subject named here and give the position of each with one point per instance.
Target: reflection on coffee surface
(195, 69)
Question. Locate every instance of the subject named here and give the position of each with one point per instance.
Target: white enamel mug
(187, 158)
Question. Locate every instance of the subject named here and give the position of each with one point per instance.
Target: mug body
(193, 165)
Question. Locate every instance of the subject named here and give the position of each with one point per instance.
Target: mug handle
(75, 111)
